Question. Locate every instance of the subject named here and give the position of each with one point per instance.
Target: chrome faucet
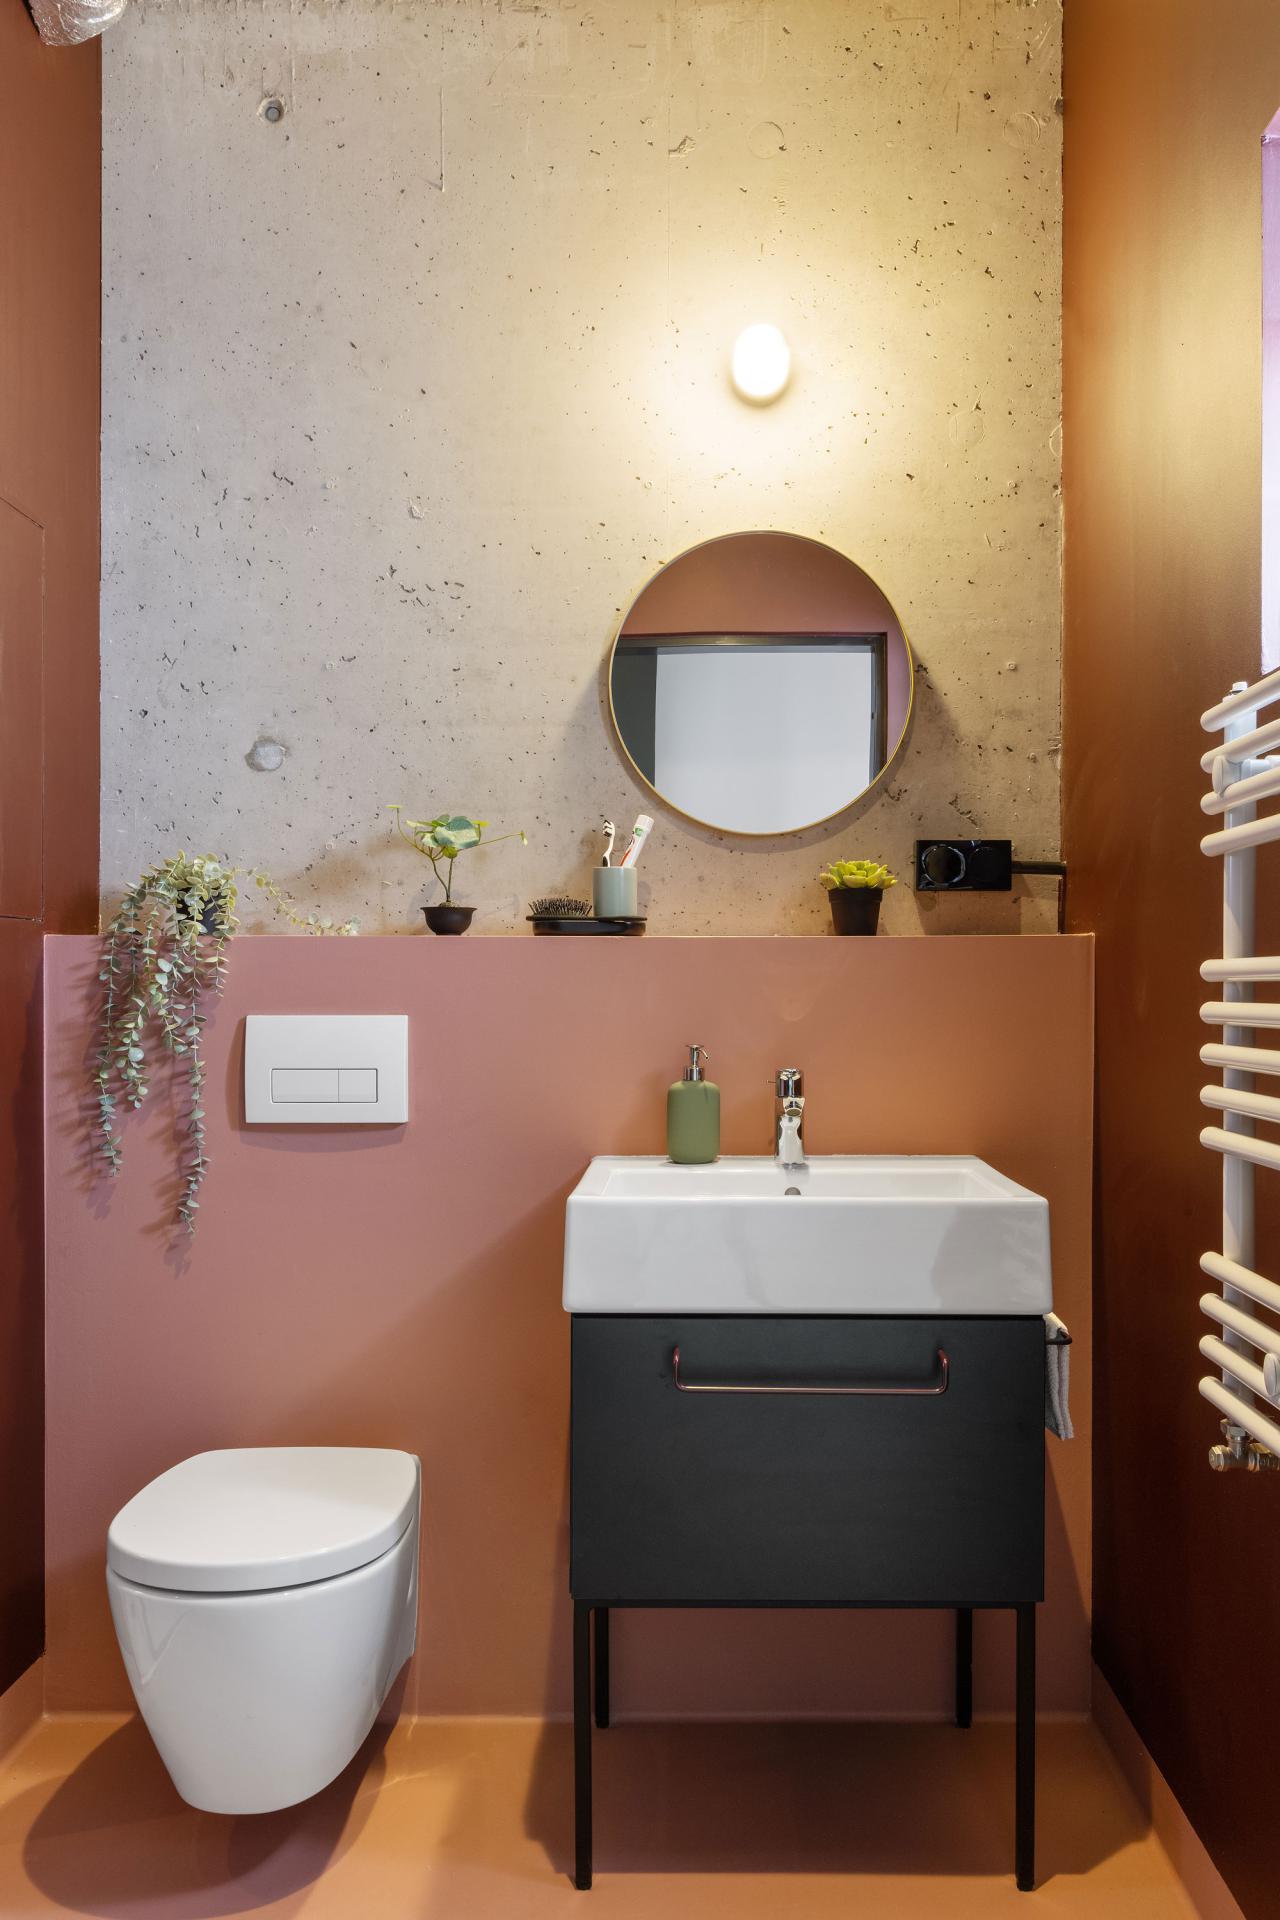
(788, 1117)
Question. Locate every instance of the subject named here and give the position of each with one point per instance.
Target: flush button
(358, 1084)
(294, 1086)
(326, 1069)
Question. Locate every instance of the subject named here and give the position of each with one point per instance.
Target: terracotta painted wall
(1163, 278)
(1271, 395)
(49, 307)
(403, 1288)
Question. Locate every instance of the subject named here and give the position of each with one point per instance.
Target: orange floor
(452, 1820)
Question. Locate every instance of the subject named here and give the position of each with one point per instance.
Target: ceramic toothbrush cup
(615, 893)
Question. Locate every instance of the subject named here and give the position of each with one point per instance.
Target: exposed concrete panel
(409, 388)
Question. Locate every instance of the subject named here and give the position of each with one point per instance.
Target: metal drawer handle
(930, 1393)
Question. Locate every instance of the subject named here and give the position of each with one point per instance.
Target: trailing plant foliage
(856, 873)
(163, 953)
(444, 838)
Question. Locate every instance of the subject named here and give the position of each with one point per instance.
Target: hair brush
(559, 906)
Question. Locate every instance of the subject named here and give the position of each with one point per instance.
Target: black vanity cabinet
(807, 1462)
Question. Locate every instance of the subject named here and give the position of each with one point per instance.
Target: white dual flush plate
(326, 1069)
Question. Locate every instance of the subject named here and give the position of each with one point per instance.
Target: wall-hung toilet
(264, 1599)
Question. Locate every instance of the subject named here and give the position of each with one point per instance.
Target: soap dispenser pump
(693, 1114)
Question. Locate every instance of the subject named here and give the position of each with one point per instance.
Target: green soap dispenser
(693, 1115)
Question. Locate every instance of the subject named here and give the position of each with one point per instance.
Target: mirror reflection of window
(766, 732)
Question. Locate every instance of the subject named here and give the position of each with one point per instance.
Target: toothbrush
(611, 833)
(639, 834)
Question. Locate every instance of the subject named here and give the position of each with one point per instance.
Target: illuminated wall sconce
(761, 363)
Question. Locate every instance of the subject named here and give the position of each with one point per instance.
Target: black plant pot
(855, 909)
(446, 918)
(212, 915)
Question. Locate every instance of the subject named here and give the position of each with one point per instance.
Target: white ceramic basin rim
(845, 1234)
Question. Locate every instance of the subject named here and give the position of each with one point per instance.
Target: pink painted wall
(402, 1287)
(775, 583)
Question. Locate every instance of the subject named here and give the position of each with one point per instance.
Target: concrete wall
(408, 392)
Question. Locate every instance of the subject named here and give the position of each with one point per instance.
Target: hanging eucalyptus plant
(163, 952)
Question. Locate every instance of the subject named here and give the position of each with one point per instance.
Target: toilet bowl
(265, 1598)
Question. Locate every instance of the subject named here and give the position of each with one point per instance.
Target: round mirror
(761, 683)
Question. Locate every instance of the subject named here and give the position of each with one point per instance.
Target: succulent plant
(856, 873)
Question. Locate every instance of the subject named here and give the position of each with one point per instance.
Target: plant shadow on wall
(114, 1838)
(164, 955)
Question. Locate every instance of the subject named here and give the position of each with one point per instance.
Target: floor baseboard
(21, 1706)
(1205, 1886)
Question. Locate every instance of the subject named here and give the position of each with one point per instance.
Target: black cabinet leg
(1025, 1741)
(601, 1632)
(964, 1666)
(581, 1745)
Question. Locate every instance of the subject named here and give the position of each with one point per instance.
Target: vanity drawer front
(773, 1498)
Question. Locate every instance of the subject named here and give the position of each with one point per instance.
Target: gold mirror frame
(738, 833)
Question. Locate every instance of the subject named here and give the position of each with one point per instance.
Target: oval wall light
(761, 364)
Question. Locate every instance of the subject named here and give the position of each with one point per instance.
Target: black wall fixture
(964, 866)
(974, 866)
(978, 866)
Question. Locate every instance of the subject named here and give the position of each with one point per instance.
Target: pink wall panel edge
(402, 1287)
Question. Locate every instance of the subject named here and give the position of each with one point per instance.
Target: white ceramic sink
(844, 1234)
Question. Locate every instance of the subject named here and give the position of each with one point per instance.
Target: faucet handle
(788, 1083)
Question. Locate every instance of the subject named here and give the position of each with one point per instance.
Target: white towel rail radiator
(1244, 1346)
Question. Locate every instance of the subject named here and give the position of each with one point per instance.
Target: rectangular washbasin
(843, 1234)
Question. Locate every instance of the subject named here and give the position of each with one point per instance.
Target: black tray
(556, 923)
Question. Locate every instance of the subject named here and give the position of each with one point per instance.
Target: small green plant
(164, 951)
(444, 838)
(856, 873)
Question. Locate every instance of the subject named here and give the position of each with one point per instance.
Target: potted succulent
(442, 840)
(855, 889)
(164, 951)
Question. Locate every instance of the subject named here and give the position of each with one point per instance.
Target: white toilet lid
(248, 1518)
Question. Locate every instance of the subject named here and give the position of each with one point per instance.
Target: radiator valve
(1241, 1451)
